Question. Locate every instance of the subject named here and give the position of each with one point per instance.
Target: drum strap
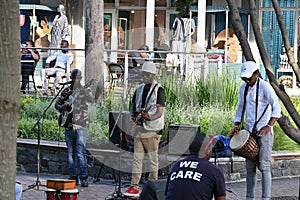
(256, 102)
(244, 106)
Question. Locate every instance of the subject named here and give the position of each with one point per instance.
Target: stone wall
(53, 160)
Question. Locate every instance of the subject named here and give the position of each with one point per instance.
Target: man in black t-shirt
(147, 114)
(195, 178)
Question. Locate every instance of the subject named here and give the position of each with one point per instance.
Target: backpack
(221, 148)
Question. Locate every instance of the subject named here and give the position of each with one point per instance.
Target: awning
(36, 7)
(215, 9)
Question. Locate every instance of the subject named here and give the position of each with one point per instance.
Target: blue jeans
(18, 191)
(76, 143)
(265, 157)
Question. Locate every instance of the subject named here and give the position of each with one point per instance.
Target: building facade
(130, 23)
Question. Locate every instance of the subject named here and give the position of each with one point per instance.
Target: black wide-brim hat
(144, 47)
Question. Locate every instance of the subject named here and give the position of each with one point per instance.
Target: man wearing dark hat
(138, 59)
(73, 107)
(262, 110)
(147, 113)
(194, 177)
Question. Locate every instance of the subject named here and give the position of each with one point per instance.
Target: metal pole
(33, 24)
(125, 76)
(226, 35)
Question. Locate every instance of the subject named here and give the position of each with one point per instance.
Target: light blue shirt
(63, 60)
(266, 95)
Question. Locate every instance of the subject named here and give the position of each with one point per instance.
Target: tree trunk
(284, 120)
(286, 125)
(94, 67)
(9, 95)
(239, 30)
(286, 40)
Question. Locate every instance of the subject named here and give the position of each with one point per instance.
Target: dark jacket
(135, 60)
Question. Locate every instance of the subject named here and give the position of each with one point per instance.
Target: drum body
(51, 194)
(243, 144)
(69, 194)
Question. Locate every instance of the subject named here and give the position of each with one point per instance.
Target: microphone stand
(38, 182)
(118, 194)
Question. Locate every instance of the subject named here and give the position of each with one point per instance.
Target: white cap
(149, 67)
(247, 69)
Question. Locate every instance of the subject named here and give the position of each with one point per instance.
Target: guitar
(137, 118)
(62, 119)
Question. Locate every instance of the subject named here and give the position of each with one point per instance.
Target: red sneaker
(132, 192)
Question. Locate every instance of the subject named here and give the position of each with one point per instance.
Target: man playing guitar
(73, 106)
(147, 113)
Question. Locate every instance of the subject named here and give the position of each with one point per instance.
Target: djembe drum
(243, 144)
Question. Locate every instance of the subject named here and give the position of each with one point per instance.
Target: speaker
(121, 121)
(154, 190)
(180, 137)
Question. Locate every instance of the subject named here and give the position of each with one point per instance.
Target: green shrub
(210, 103)
(34, 107)
(282, 141)
(49, 129)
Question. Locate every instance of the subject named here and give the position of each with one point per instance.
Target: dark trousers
(25, 72)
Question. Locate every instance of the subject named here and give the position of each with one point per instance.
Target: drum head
(50, 190)
(239, 139)
(71, 191)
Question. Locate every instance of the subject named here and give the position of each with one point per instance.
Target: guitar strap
(148, 97)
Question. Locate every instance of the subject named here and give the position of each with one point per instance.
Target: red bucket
(69, 194)
(51, 194)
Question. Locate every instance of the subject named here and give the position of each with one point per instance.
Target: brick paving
(282, 188)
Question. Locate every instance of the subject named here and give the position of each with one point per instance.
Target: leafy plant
(209, 102)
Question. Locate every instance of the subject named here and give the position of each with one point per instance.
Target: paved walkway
(283, 188)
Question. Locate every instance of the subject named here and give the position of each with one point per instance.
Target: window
(272, 36)
(282, 3)
(132, 2)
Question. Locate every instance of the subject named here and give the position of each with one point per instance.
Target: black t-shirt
(195, 178)
(160, 96)
(28, 57)
(161, 99)
(28, 63)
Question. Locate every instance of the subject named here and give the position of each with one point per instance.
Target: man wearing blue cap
(147, 114)
(262, 110)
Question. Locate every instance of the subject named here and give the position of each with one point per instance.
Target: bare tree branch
(283, 121)
(239, 30)
(285, 38)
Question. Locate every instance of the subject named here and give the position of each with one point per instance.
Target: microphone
(229, 190)
(65, 83)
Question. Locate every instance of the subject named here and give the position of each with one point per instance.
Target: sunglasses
(146, 74)
(247, 79)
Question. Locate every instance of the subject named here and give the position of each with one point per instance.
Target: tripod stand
(38, 182)
(119, 121)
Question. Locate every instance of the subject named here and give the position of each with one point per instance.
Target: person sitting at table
(138, 59)
(63, 60)
(28, 60)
